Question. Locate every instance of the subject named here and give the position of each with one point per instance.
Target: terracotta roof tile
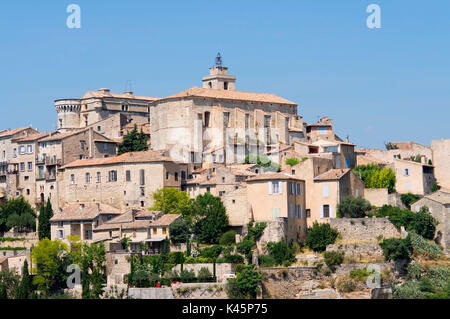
(230, 95)
(134, 157)
(332, 174)
(8, 133)
(76, 211)
(273, 176)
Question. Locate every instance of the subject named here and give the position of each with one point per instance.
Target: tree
(247, 282)
(228, 238)
(391, 146)
(133, 142)
(172, 201)
(396, 249)
(179, 231)
(292, 161)
(9, 280)
(45, 214)
(320, 236)
(17, 213)
(352, 207)
(409, 199)
(211, 219)
(282, 253)
(47, 258)
(423, 224)
(375, 177)
(24, 290)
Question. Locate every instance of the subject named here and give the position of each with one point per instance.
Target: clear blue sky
(378, 85)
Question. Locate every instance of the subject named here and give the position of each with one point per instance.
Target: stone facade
(365, 229)
(441, 154)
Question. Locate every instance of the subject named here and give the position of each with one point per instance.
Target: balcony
(50, 176)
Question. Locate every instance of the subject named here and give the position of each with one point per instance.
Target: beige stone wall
(377, 197)
(441, 155)
(441, 213)
(117, 266)
(418, 181)
(364, 229)
(121, 194)
(221, 269)
(238, 207)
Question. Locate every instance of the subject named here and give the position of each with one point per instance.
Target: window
(167, 175)
(326, 211)
(183, 175)
(30, 149)
(221, 193)
(72, 179)
(207, 117)
(99, 177)
(298, 189)
(128, 176)
(208, 189)
(298, 211)
(347, 163)
(291, 192)
(331, 149)
(15, 152)
(99, 128)
(142, 204)
(30, 166)
(176, 177)
(326, 190)
(113, 176)
(225, 85)
(357, 193)
(291, 210)
(142, 176)
(322, 131)
(83, 145)
(88, 178)
(338, 162)
(105, 147)
(164, 231)
(28, 192)
(142, 191)
(155, 231)
(308, 213)
(125, 108)
(408, 186)
(406, 172)
(22, 150)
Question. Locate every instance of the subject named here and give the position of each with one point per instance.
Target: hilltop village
(190, 195)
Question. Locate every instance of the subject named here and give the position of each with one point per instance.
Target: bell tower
(218, 77)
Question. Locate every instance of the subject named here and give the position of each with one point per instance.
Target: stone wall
(377, 196)
(358, 250)
(181, 291)
(274, 232)
(117, 266)
(364, 229)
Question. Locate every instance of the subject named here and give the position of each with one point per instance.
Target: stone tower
(218, 77)
(68, 114)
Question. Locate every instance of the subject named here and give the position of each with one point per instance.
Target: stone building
(25, 165)
(279, 198)
(219, 121)
(413, 177)
(125, 181)
(326, 187)
(80, 219)
(8, 152)
(438, 204)
(441, 161)
(97, 106)
(59, 149)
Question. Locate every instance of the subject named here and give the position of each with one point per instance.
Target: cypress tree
(24, 289)
(42, 222)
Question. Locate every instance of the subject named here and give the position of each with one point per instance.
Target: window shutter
(326, 190)
(292, 210)
(270, 188)
(300, 211)
(280, 187)
(331, 211)
(321, 211)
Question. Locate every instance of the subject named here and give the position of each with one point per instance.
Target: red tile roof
(332, 174)
(230, 95)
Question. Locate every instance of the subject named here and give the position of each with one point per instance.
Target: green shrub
(409, 199)
(360, 275)
(255, 231)
(234, 259)
(320, 236)
(352, 207)
(211, 252)
(423, 224)
(246, 248)
(422, 247)
(245, 285)
(228, 238)
(292, 161)
(333, 258)
(11, 239)
(281, 253)
(346, 285)
(204, 275)
(187, 276)
(267, 261)
(396, 249)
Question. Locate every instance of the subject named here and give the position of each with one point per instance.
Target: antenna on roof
(219, 61)
(128, 86)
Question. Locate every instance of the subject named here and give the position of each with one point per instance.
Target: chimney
(130, 93)
(105, 91)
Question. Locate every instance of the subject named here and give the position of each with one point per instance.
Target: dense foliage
(228, 238)
(333, 258)
(409, 199)
(180, 230)
(376, 177)
(320, 236)
(172, 201)
(292, 161)
(245, 285)
(281, 253)
(45, 214)
(17, 213)
(134, 141)
(210, 220)
(352, 207)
